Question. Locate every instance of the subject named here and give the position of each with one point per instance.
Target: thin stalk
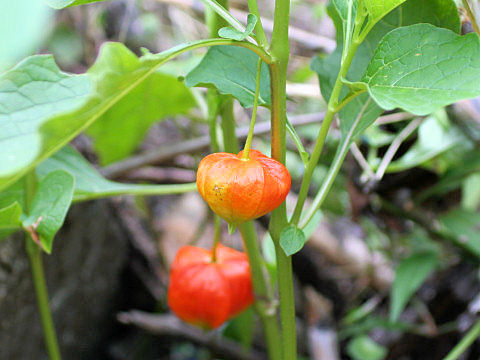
(230, 140)
(248, 143)
(332, 171)
(280, 51)
(38, 276)
(259, 31)
(216, 236)
(463, 345)
(137, 189)
(212, 101)
(322, 135)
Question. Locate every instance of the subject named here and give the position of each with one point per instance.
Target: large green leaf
(50, 206)
(30, 94)
(42, 108)
(89, 184)
(409, 275)
(233, 71)
(421, 68)
(10, 219)
(441, 13)
(118, 131)
(60, 4)
(22, 25)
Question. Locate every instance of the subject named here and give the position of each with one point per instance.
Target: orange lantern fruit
(242, 189)
(205, 292)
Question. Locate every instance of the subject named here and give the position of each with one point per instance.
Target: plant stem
(278, 74)
(333, 170)
(248, 143)
(322, 135)
(264, 302)
(259, 31)
(137, 189)
(263, 295)
(35, 256)
(216, 236)
(467, 340)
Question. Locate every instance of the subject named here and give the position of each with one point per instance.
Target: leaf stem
(259, 31)
(248, 143)
(38, 276)
(332, 171)
(134, 189)
(467, 340)
(322, 135)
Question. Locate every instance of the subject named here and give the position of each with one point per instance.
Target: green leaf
(377, 9)
(119, 131)
(234, 34)
(30, 94)
(409, 275)
(60, 4)
(22, 25)
(292, 240)
(10, 219)
(421, 68)
(465, 225)
(89, 184)
(50, 206)
(232, 70)
(241, 328)
(364, 348)
(43, 108)
(441, 13)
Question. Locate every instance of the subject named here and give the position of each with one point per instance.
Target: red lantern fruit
(205, 292)
(242, 189)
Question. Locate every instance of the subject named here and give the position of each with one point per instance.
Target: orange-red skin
(240, 190)
(207, 293)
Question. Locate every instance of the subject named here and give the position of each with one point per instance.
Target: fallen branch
(169, 325)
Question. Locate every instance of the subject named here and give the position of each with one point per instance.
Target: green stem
(278, 74)
(259, 31)
(264, 302)
(463, 345)
(264, 299)
(35, 256)
(224, 14)
(137, 189)
(322, 135)
(212, 101)
(248, 143)
(230, 141)
(333, 170)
